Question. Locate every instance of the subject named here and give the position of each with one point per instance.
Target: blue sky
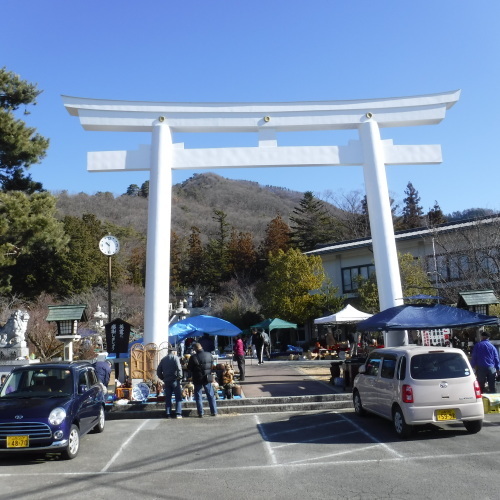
(265, 50)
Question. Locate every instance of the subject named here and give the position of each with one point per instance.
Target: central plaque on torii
(163, 119)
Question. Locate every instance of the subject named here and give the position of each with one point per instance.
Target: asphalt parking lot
(308, 455)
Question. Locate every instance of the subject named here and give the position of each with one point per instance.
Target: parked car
(414, 385)
(48, 407)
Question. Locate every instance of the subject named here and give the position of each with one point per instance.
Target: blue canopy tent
(197, 325)
(424, 317)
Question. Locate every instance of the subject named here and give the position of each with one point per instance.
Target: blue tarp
(424, 317)
(197, 325)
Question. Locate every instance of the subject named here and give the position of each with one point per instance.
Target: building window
(487, 262)
(449, 267)
(350, 276)
(459, 266)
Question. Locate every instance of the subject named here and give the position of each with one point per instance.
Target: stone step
(237, 406)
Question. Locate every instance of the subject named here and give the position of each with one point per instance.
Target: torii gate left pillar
(266, 119)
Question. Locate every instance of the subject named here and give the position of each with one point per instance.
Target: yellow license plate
(18, 441)
(446, 415)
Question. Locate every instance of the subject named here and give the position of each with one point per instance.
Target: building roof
(407, 234)
(66, 313)
(477, 298)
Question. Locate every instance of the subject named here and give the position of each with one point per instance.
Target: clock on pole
(109, 245)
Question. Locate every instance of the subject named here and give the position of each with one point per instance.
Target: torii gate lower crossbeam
(266, 119)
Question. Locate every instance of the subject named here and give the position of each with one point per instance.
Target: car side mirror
(82, 388)
(362, 369)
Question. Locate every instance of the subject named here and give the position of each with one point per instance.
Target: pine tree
(435, 215)
(144, 191)
(412, 211)
(30, 238)
(311, 223)
(364, 219)
(195, 272)
(217, 251)
(176, 253)
(20, 146)
(133, 190)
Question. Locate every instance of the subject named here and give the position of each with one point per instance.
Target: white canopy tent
(347, 315)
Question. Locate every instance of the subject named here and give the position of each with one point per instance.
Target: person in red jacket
(239, 356)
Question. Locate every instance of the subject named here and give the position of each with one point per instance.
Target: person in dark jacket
(258, 342)
(103, 371)
(207, 343)
(200, 366)
(170, 371)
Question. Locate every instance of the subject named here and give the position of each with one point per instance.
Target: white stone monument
(13, 337)
(161, 119)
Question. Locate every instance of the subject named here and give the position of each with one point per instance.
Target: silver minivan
(414, 385)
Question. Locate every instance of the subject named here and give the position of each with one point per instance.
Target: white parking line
(122, 447)
(373, 438)
(267, 444)
(337, 454)
(358, 428)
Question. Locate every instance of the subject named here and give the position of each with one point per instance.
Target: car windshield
(438, 365)
(38, 382)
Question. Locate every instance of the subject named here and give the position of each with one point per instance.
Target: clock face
(109, 245)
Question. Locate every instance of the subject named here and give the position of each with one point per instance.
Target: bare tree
(468, 257)
(41, 335)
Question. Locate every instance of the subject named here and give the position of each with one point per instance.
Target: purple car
(48, 407)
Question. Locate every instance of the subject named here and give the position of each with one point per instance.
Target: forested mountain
(248, 205)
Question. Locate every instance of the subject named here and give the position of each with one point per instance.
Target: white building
(463, 255)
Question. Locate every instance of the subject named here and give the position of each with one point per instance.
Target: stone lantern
(67, 318)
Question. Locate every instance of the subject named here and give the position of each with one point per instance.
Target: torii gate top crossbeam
(138, 116)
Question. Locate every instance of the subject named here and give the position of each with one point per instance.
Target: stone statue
(13, 332)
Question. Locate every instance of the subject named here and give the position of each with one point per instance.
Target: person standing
(258, 342)
(486, 363)
(200, 366)
(267, 344)
(103, 370)
(207, 343)
(239, 356)
(170, 371)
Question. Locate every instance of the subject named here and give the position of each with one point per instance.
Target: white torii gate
(266, 119)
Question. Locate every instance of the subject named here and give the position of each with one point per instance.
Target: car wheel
(73, 443)
(358, 406)
(102, 421)
(403, 430)
(473, 426)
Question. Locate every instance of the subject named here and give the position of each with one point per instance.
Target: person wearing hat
(486, 363)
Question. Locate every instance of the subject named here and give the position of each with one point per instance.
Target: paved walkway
(283, 378)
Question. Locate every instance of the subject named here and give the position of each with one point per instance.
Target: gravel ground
(320, 372)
